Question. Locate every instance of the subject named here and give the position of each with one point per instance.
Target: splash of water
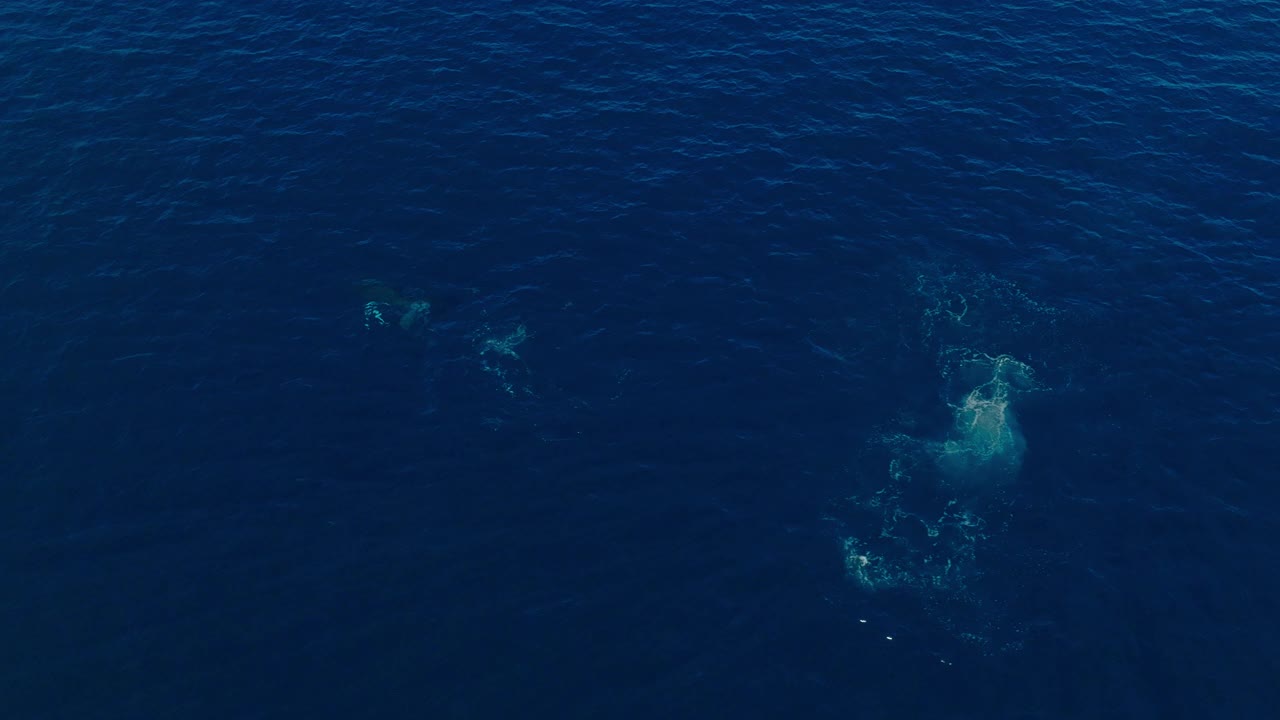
(986, 443)
(926, 530)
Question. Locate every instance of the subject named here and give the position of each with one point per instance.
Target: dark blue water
(700, 359)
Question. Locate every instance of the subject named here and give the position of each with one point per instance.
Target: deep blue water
(871, 360)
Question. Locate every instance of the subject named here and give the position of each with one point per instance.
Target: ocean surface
(659, 360)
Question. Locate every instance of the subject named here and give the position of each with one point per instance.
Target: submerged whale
(413, 312)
